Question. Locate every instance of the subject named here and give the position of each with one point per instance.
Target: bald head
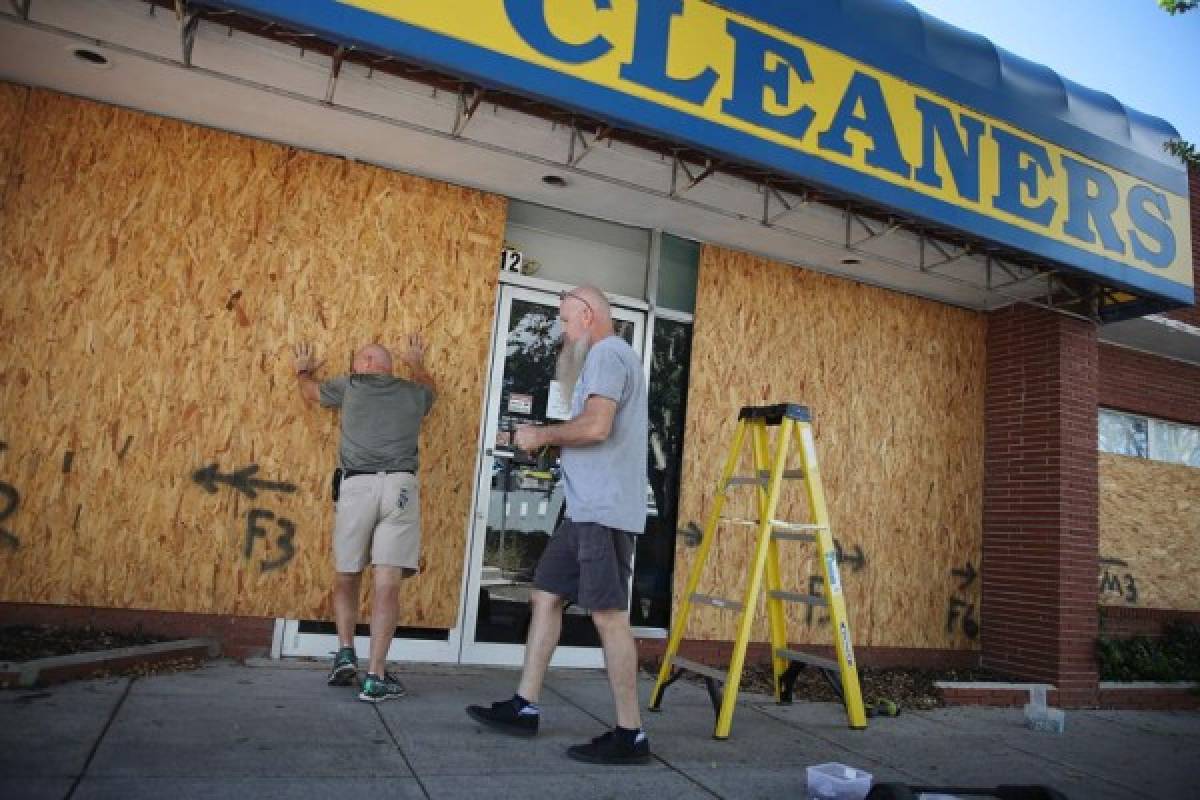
(373, 358)
(596, 299)
(588, 306)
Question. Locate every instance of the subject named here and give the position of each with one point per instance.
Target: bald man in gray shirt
(377, 504)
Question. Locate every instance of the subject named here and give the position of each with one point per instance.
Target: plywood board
(896, 387)
(163, 272)
(12, 109)
(1149, 534)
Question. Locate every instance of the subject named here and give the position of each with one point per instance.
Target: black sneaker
(505, 716)
(376, 689)
(611, 749)
(345, 667)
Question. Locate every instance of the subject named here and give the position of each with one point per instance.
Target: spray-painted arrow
(968, 575)
(11, 498)
(856, 561)
(243, 480)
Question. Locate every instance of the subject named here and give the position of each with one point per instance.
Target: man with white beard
(589, 559)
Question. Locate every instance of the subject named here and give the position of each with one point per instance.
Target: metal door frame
(492, 653)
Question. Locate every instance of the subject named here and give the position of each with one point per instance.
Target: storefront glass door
(520, 496)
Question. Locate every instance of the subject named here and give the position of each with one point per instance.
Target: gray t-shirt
(606, 482)
(381, 418)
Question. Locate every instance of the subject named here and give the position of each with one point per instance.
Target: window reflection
(526, 501)
(655, 562)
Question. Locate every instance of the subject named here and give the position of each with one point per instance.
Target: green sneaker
(345, 667)
(376, 689)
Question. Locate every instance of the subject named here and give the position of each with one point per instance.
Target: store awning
(867, 99)
(861, 139)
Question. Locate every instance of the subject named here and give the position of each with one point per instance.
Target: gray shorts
(588, 564)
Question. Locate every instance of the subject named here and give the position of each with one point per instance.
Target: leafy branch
(1183, 150)
(1177, 6)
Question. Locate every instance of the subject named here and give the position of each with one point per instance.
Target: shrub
(1174, 657)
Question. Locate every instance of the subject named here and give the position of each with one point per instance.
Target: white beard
(570, 364)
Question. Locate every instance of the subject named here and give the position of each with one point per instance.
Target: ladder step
(777, 524)
(717, 602)
(794, 597)
(794, 537)
(781, 525)
(806, 658)
(700, 669)
(746, 480)
(763, 478)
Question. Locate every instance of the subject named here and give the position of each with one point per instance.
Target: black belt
(350, 473)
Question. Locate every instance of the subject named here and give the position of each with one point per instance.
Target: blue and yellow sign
(727, 82)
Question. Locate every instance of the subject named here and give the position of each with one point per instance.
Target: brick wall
(1117, 622)
(238, 637)
(1040, 527)
(1144, 384)
(1192, 315)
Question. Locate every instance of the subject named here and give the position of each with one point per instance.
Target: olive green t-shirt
(381, 420)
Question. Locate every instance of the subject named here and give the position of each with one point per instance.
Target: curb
(1150, 696)
(1137, 695)
(57, 669)
(1000, 694)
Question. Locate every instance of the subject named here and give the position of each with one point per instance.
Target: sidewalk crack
(400, 750)
(96, 745)
(840, 746)
(1044, 758)
(653, 755)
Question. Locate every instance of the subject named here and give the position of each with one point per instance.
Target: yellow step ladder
(795, 426)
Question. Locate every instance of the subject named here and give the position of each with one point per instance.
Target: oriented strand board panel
(157, 276)
(12, 108)
(1149, 534)
(896, 387)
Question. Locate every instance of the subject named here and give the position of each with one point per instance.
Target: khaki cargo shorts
(377, 520)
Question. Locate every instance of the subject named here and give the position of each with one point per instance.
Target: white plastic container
(1039, 717)
(1052, 720)
(837, 782)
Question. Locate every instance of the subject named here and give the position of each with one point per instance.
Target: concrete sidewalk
(276, 731)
